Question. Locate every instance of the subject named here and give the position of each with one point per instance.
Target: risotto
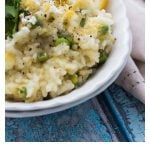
(57, 46)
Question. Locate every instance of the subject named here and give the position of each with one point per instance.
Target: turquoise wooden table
(112, 116)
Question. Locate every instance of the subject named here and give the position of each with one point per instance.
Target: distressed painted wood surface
(112, 116)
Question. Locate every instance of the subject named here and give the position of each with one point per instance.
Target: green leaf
(11, 16)
(10, 11)
(9, 27)
(10, 2)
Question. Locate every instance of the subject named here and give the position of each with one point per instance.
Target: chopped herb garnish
(103, 29)
(103, 56)
(82, 22)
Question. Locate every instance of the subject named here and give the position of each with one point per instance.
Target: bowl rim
(69, 99)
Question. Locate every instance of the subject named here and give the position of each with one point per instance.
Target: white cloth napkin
(132, 79)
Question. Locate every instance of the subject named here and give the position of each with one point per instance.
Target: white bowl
(97, 83)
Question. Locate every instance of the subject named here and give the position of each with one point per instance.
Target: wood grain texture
(132, 111)
(77, 124)
(89, 122)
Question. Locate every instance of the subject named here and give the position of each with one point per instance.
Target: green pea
(23, 92)
(42, 56)
(103, 29)
(74, 79)
(67, 37)
(103, 56)
(61, 41)
(82, 22)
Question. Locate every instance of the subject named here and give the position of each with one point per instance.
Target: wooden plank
(81, 123)
(132, 111)
(91, 121)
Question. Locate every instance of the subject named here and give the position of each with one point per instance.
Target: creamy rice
(56, 48)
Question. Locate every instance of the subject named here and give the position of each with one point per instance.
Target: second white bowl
(97, 83)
